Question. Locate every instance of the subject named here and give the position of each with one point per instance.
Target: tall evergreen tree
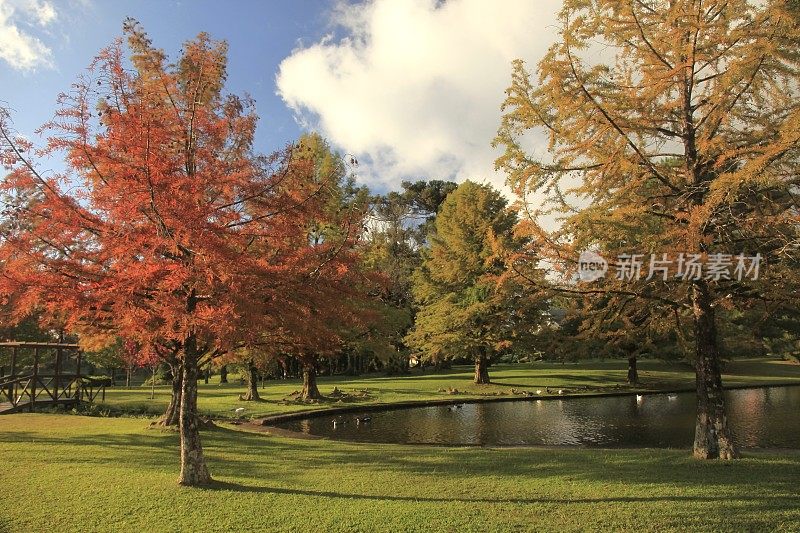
(467, 307)
(398, 230)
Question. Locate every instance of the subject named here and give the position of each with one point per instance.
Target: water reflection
(758, 418)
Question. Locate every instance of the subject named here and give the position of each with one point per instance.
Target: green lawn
(597, 376)
(74, 473)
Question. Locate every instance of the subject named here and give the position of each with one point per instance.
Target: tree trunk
(168, 367)
(171, 416)
(223, 374)
(712, 437)
(194, 471)
(350, 370)
(310, 390)
(481, 370)
(207, 374)
(128, 378)
(252, 384)
(633, 371)
(113, 377)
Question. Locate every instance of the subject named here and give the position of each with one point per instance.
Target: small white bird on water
(538, 391)
(561, 391)
(639, 397)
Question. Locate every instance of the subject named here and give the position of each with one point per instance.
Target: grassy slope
(76, 473)
(221, 400)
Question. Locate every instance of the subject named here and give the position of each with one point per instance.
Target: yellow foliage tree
(672, 126)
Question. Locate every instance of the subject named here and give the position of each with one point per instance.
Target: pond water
(759, 418)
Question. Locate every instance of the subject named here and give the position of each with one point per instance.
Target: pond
(759, 418)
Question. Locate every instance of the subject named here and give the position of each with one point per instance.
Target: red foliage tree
(331, 290)
(166, 228)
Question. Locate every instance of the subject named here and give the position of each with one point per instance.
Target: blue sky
(260, 34)
(412, 88)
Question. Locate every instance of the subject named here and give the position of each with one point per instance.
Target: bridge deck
(8, 408)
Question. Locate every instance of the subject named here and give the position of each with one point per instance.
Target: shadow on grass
(605, 466)
(237, 487)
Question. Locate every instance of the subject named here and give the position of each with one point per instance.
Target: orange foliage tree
(165, 227)
(672, 126)
(333, 292)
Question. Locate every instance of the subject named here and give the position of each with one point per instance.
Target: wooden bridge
(37, 379)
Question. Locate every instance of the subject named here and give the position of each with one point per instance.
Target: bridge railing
(58, 386)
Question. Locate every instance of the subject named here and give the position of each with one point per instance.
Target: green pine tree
(469, 307)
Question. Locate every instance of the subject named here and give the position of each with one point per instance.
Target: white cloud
(43, 11)
(413, 87)
(18, 46)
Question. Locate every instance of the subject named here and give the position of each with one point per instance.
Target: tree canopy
(166, 227)
(681, 135)
(467, 308)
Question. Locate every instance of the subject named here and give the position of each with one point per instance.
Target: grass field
(73, 473)
(598, 376)
(78, 473)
